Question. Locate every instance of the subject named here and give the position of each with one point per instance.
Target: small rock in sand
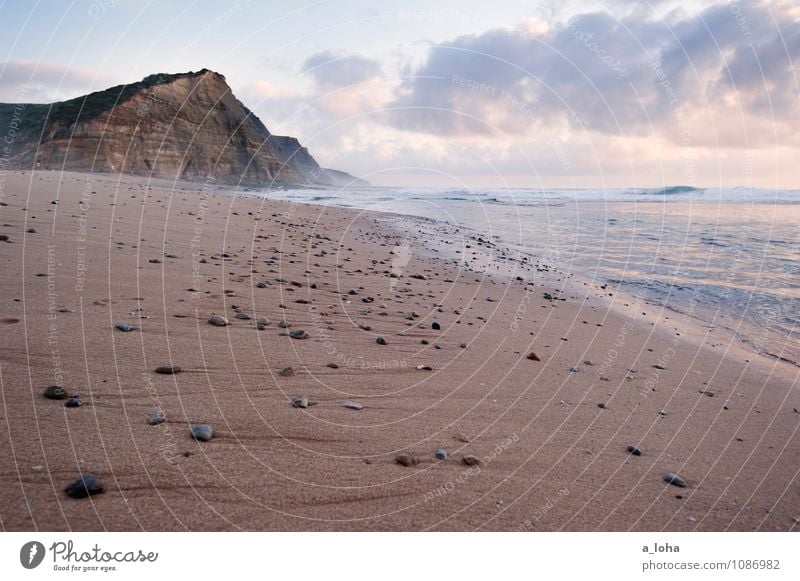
(462, 438)
(533, 356)
(243, 316)
(262, 323)
(202, 432)
(380, 341)
(634, 450)
(73, 402)
(333, 365)
(300, 401)
(659, 366)
(353, 405)
(217, 321)
(440, 454)
(156, 418)
(298, 334)
(435, 326)
(286, 372)
(674, 479)
(168, 369)
(470, 460)
(406, 459)
(55, 392)
(124, 327)
(87, 485)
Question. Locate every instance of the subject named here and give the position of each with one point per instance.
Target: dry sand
(551, 458)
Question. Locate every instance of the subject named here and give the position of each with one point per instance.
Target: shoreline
(276, 467)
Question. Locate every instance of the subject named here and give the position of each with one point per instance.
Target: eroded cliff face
(186, 126)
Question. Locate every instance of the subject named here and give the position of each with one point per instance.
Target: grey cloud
(599, 72)
(24, 81)
(331, 70)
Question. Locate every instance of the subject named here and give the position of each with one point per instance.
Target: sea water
(727, 256)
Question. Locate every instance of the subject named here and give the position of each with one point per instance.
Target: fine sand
(163, 259)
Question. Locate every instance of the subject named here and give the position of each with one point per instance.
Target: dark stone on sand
(243, 316)
(298, 334)
(352, 405)
(333, 365)
(73, 402)
(380, 341)
(435, 326)
(55, 392)
(406, 459)
(300, 401)
(168, 369)
(533, 356)
(424, 342)
(124, 327)
(634, 450)
(286, 372)
(217, 321)
(659, 366)
(440, 454)
(158, 417)
(4, 238)
(202, 432)
(602, 406)
(85, 486)
(674, 479)
(470, 460)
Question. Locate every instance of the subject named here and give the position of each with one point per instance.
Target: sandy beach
(550, 436)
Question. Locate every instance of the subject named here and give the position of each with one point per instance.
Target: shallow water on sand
(728, 257)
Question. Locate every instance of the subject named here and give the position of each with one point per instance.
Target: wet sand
(163, 259)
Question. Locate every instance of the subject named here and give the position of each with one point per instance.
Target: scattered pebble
(158, 417)
(333, 365)
(462, 438)
(602, 406)
(124, 327)
(353, 405)
(168, 369)
(406, 459)
(470, 460)
(87, 485)
(217, 321)
(533, 356)
(55, 392)
(380, 341)
(659, 366)
(286, 372)
(674, 479)
(73, 402)
(261, 323)
(440, 454)
(435, 326)
(634, 450)
(300, 401)
(298, 334)
(202, 432)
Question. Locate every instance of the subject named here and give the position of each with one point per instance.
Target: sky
(467, 93)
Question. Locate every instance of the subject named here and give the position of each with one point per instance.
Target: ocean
(729, 257)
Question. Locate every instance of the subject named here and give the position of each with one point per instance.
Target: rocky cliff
(186, 126)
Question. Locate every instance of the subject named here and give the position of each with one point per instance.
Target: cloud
(331, 70)
(27, 81)
(729, 64)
